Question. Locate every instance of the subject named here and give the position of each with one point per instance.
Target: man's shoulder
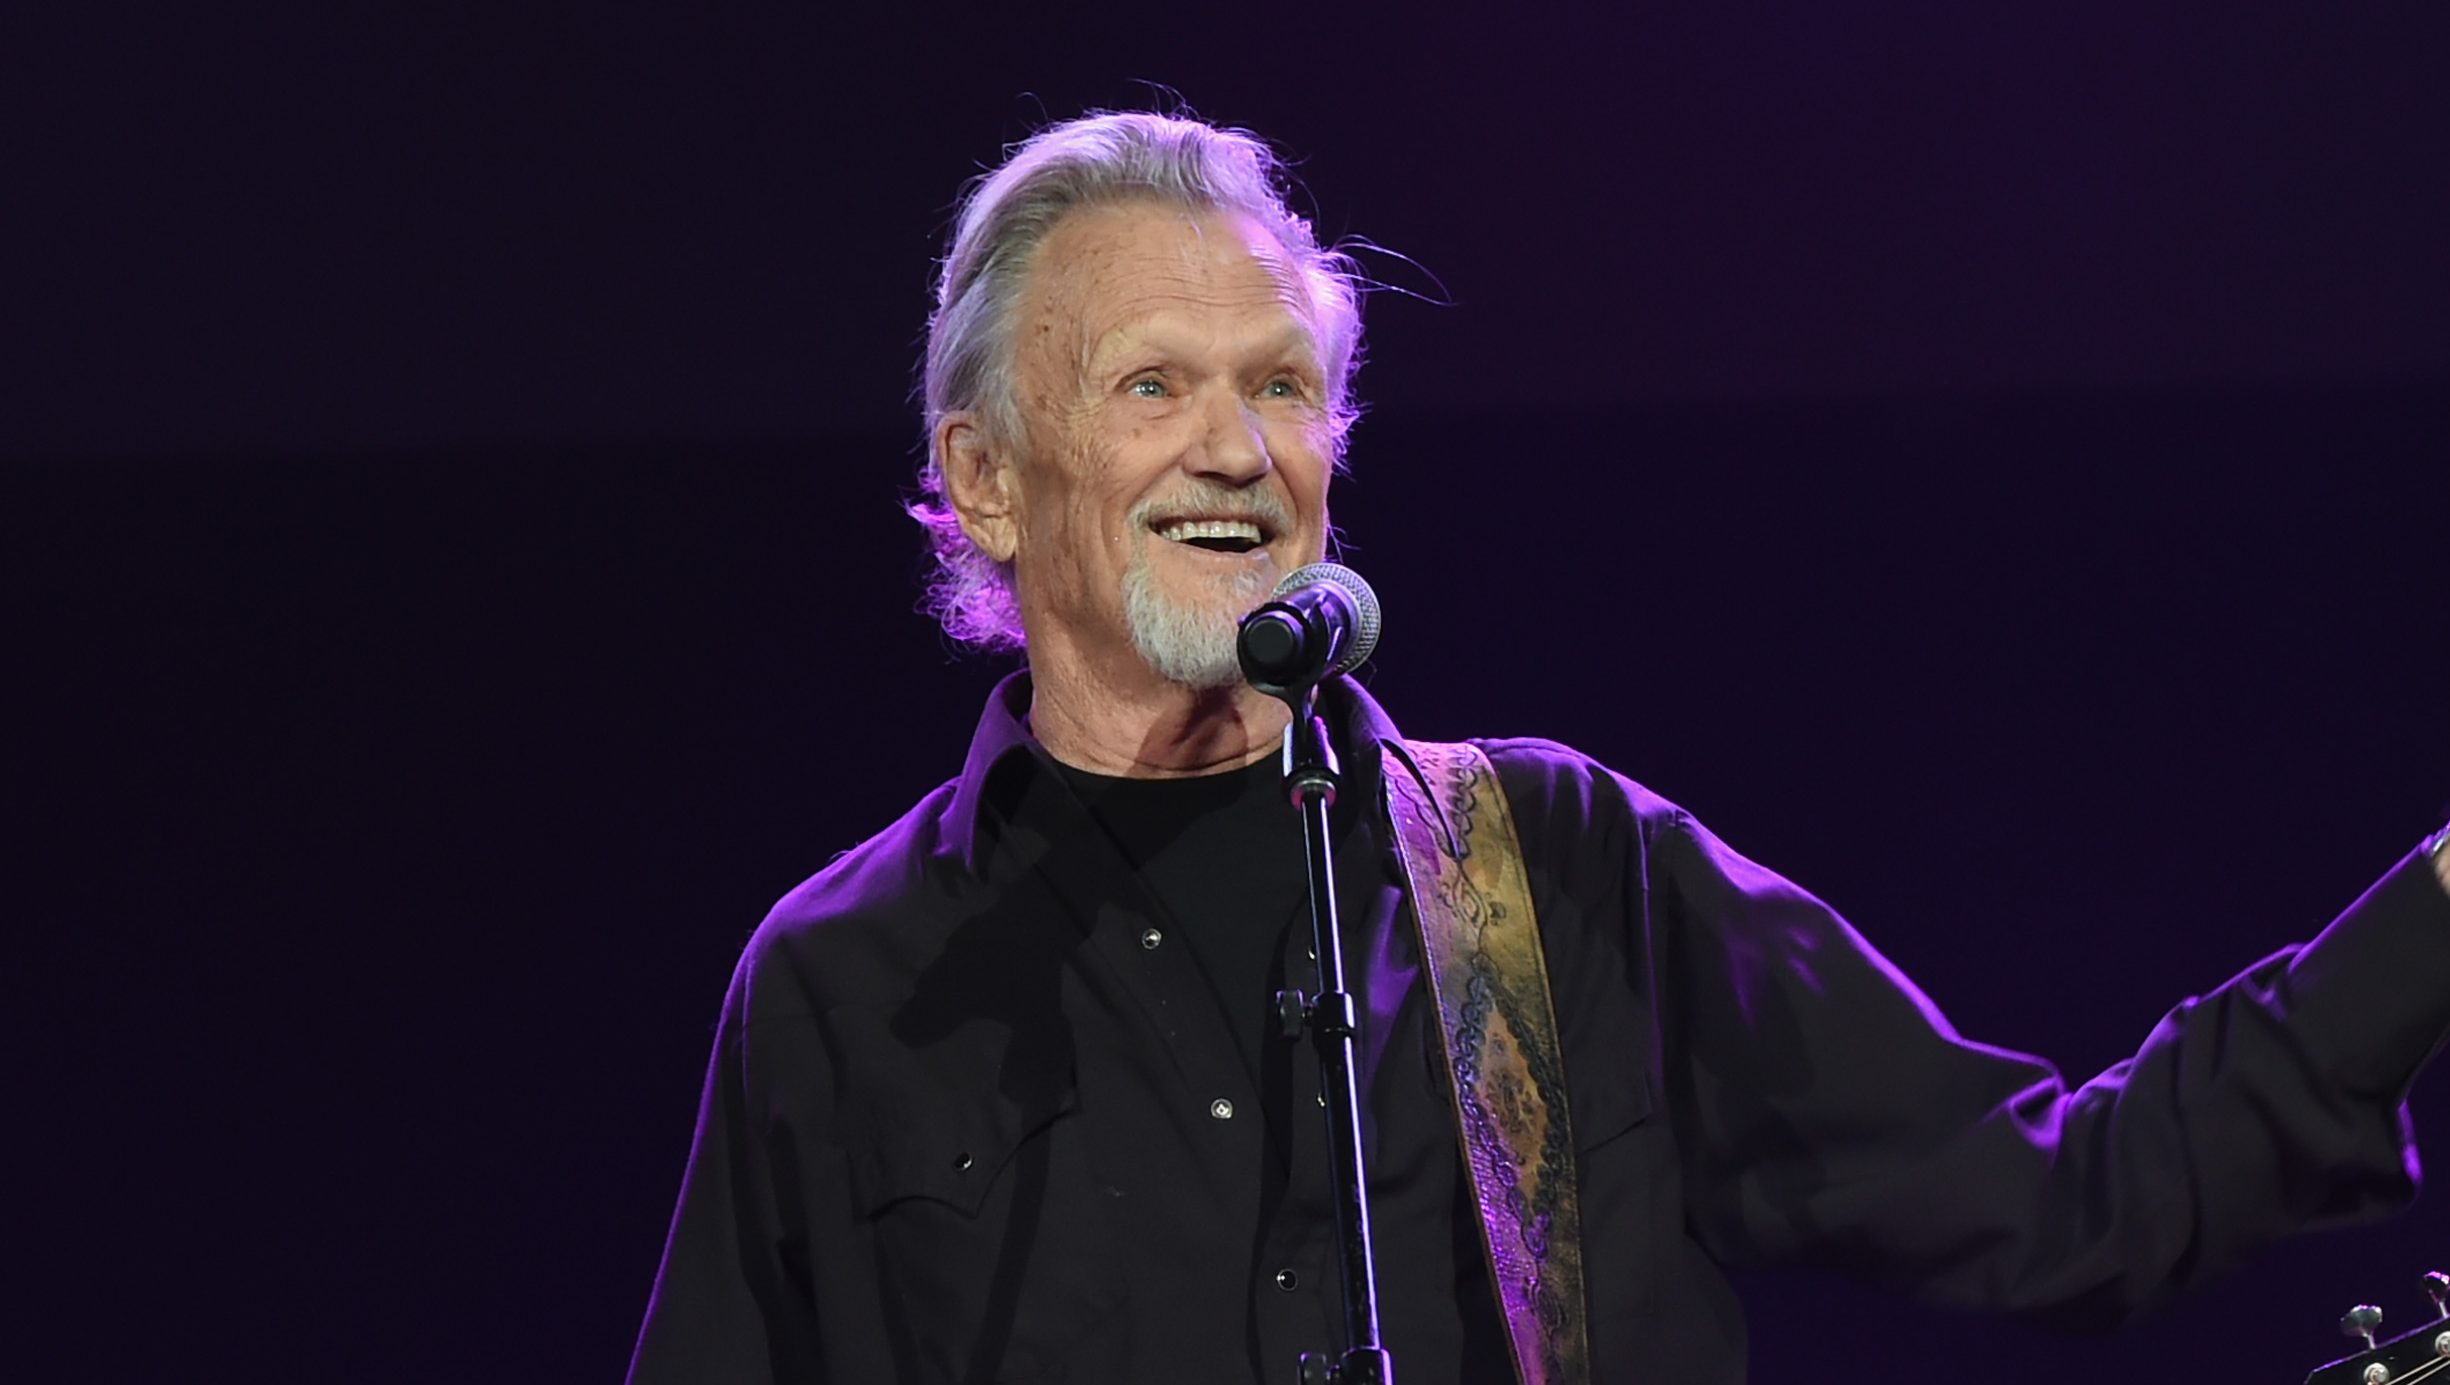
(847, 930)
(1570, 807)
(877, 876)
(1554, 786)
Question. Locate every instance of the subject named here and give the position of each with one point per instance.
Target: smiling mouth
(1215, 535)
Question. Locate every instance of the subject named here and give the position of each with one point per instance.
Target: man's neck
(1143, 727)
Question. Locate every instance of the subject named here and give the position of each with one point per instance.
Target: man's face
(1177, 452)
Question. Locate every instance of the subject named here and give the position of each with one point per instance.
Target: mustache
(1211, 501)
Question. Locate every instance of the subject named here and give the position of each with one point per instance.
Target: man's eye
(1147, 387)
(1282, 387)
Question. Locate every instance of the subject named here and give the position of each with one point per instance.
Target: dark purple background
(1989, 467)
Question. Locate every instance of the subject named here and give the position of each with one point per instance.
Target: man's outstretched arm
(1829, 1113)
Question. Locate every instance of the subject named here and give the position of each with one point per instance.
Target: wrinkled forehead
(1109, 275)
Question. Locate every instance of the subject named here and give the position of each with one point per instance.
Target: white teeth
(1184, 529)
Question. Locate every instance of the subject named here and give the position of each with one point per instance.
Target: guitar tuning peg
(2361, 1321)
(2437, 1288)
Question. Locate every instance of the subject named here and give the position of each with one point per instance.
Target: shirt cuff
(2370, 996)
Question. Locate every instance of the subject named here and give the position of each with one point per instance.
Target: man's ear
(980, 483)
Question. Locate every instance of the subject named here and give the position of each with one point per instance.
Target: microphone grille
(1365, 607)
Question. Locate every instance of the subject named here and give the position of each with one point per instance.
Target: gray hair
(1004, 216)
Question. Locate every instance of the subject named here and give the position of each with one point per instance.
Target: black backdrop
(1989, 469)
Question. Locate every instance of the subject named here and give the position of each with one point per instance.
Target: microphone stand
(1311, 778)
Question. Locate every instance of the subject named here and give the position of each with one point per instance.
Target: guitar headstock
(2423, 1354)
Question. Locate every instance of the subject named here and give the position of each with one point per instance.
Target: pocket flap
(947, 1151)
(1611, 1106)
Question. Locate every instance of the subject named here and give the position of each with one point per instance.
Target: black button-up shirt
(964, 1124)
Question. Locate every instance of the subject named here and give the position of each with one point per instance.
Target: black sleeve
(1828, 1113)
(728, 1308)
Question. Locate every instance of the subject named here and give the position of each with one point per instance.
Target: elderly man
(998, 1095)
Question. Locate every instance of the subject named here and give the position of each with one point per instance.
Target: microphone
(1320, 621)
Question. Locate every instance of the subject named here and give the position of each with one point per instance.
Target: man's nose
(1231, 447)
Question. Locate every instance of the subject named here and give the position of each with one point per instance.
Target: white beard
(1191, 642)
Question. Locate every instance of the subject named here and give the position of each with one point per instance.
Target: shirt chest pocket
(1632, 1200)
(992, 1232)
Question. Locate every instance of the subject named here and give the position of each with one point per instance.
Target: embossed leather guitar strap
(1480, 949)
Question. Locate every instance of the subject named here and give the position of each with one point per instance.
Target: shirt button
(1221, 1109)
(1287, 1280)
(1150, 937)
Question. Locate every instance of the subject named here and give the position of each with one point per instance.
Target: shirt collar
(1356, 724)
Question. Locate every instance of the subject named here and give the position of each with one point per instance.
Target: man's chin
(1184, 623)
(1193, 645)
